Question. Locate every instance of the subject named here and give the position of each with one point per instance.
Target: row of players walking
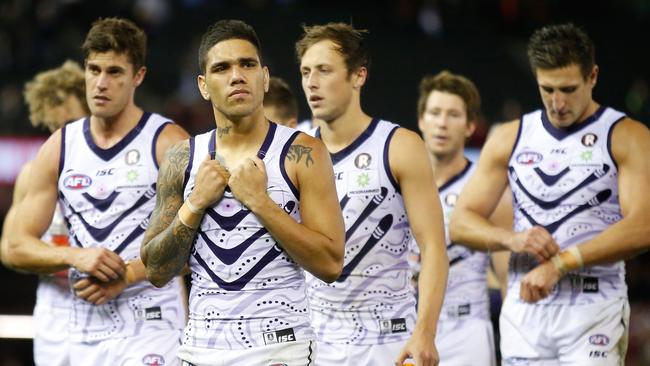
(301, 246)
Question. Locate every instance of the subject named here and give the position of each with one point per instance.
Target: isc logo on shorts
(279, 336)
(389, 326)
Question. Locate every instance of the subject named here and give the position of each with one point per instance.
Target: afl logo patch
(153, 359)
(599, 340)
(589, 139)
(450, 199)
(132, 157)
(77, 181)
(362, 161)
(529, 157)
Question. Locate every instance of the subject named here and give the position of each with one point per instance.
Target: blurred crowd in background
(482, 39)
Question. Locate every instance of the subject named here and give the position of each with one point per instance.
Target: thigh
(51, 341)
(597, 336)
(358, 355)
(524, 338)
(466, 342)
(300, 353)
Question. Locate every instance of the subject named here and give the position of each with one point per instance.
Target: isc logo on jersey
(77, 181)
(388, 326)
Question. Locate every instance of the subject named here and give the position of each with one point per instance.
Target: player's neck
(240, 137)
(108, 131)
(446, 167)
(589, 111)
(340, 133)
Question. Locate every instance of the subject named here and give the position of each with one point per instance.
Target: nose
(236, 77)
(312, 80)
(102, 81)
(558, 101)
(441, 120)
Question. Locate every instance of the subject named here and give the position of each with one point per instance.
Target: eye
(547, 89)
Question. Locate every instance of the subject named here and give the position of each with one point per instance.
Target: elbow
(156, 278)
(454, 228)
(333, 269)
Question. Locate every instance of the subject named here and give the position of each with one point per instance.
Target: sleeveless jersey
(566, 180)
(467, 293)
(372, 302)
(246, 291)
(107, 196)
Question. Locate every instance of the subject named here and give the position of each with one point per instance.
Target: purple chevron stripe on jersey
(344, 201)
(382, 228)
(102, 234)
(601, 197)
(230, 222)
(464, 253)
(597, 174)
(230, 256)
(242, 281)
(374, 203)
(550, 180)
(101, 204)
(139, 230)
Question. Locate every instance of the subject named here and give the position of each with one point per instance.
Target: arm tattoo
(167, 242)
(296, 152)
(223, 131)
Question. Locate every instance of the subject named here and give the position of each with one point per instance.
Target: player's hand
(248, 181)
(98, 292)
(209, 184)
(539, 282)
(536, 241)
(101, 263)
(421, 349)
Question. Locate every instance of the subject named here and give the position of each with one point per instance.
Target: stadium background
(482, 39)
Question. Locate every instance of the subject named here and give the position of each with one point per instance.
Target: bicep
(169, 189)
(319, 206)
(40, 191)
(631, 148)
(410, 165)
(485, 187)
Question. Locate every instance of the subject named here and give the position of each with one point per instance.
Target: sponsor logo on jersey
(589, 139)
(362, 161)
(153, 359)
(599, 340)
(590, 284)
(132, 157)
(389, 326)
(77, 181)
(529, 157)
(279, 336)
(152, 313)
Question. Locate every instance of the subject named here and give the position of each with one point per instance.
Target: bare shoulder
(630, 138)
(405, 145)
(306, 150)
(49, 155)
(501, 141)
(171, 133)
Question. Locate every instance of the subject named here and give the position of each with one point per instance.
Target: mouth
(101, 99)
(315, 98)
(239, 93)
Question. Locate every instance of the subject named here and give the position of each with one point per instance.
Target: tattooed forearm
(223, 131)
(296, 153)
(167, 242)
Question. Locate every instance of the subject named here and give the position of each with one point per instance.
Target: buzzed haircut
(348, 41)
(562, 45)
(281, 98)
(451, 83)
(119, 35)
(224, 30)
(51, 88)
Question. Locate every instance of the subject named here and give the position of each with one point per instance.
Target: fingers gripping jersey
(107, 196)
(567, 181)
(466, 294)
(246, 291)
(372, 302)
